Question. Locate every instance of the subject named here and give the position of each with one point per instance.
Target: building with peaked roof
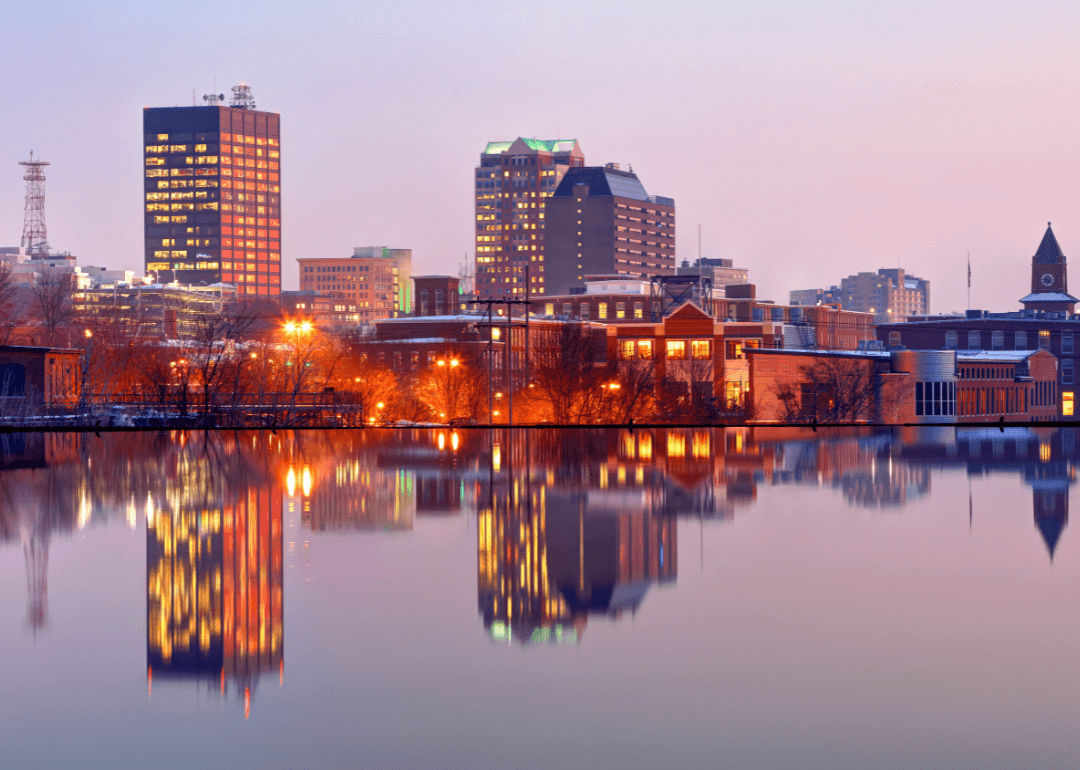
(1049, 284)
(693, 354)
(513, 182)
(1046, 322)
(601, 221)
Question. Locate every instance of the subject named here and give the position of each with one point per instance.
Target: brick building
(1046, 323)
(903, 386)
(623, 300)
(437, 295)
(600, 220)
(376, 281)
(38, 376)
(695, 353)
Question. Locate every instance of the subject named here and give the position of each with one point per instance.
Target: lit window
(700, 349)
(676, 348)
(1067, 403)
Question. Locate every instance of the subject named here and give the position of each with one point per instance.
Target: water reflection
(214, 582)
(570, 526)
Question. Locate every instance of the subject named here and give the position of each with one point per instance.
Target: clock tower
(1049, 287)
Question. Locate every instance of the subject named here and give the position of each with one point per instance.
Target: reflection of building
(355, 495)
(214, 591)
(548, 557)
(40, 494)
(1046, 459)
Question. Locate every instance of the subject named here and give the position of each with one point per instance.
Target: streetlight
(448, 364)
(296, 329)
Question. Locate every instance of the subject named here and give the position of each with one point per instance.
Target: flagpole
(969, 280)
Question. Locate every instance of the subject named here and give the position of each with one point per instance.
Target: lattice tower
(35, 239)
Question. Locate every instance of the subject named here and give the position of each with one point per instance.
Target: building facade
(375, 280)
(151, 311)
(437, 295)
(600, 220)
(720, 272)
(694, 353)
(902, 386)
(513, 183)
(890, 294)
(615, 300)
(1046, 323)
(212, 203)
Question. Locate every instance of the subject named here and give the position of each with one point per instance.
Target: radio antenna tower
(35, 239)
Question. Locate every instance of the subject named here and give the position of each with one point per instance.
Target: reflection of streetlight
(611, 385)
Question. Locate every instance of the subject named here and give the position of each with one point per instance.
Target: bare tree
(215, 358)
(633, 396)
(568, 371)
(835, 390)
(9, 295)
(51, 295)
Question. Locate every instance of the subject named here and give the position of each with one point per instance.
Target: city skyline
(914, 140)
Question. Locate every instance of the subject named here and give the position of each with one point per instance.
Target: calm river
(592, 598)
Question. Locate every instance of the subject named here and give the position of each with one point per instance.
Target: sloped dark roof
(602, 181)
(1049, 253)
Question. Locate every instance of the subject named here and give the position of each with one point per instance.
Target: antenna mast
(242, 98)
(35, 239)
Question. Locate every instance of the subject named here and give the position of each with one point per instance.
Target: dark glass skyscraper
(213, 195)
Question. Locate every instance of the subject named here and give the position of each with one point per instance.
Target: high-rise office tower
(600, 221)
(213, 194)
(513, 181)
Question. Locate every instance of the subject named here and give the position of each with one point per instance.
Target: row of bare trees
(232, 363)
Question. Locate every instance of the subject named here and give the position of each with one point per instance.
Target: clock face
(1047, 279)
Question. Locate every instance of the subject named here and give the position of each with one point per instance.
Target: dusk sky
(809, 139)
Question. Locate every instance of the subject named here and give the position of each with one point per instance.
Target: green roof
(540, 145)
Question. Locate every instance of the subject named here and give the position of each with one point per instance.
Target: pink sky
(810, 140)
